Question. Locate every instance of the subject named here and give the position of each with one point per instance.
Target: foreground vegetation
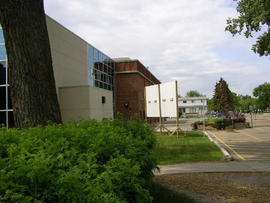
(91, 161)
(194, 146)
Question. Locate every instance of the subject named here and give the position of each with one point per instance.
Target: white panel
(152, 101)
(168, 99)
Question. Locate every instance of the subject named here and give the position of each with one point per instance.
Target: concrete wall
(69, 54)
(85, 103)
(96, 108)
(76, 98)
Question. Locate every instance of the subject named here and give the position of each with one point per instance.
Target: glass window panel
(96, 83)
(2, 75)
(100, 66)
(3, 98)
(91, 62)
(2, 52)
(106, 62)
(90, 77)
(100, 84)
(3, 63)
(110, 80)
(98, 69)
(91, 51)
(106, 58)
(103, 57)
(10, 119)
(102, 77)
(96, 65)
(99, 75)
(105, 68)
(1, 36)
(2, 118)
(96, 54)
(9, 99)
(95, 74)
(100, 58)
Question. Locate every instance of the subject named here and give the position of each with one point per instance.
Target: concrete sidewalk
(203, 167)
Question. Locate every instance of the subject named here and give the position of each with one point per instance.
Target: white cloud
(175, 38)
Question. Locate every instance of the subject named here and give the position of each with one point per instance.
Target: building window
(192, 109)
(192, 101)
(100, 69)
(6, 111)
(3, 54)
(184, 101)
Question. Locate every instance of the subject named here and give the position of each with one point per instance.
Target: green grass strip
(193, 147)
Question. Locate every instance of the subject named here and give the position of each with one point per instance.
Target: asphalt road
(250, 143)
(245, 144)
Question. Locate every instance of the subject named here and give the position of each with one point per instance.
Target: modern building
(131, 76)
(192, 105)
(83, 77)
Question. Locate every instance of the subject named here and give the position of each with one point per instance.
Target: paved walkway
(204, 167)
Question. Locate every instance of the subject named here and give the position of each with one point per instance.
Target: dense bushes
(219, 123)
(91, 161)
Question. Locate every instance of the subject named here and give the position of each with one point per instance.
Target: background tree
(247, 101)
(235, 101)
(222, 99)
(193, 93)
(263, 94)
(254, 16)
(210, 105)
(31, 78)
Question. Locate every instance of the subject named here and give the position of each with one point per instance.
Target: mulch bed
(231, 187)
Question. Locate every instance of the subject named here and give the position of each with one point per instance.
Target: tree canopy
(262, 92)
(254, 16)
(193, 93)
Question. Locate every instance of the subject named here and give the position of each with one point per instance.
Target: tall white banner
(168, 97)
(167, 94)
(152, 101)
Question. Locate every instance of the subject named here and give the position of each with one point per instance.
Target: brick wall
(130, 79)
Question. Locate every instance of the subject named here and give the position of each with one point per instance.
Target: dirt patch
(226, 187)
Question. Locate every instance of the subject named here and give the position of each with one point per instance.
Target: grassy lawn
(192, 147)
(163, 194)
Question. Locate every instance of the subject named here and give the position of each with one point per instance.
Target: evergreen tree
(222, 99)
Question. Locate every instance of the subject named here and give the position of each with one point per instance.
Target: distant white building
(192, 105)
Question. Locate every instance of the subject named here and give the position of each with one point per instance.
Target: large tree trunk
(31, 78)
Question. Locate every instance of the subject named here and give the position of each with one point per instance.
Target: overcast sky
(180, 40)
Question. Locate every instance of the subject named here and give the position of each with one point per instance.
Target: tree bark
(31, 78)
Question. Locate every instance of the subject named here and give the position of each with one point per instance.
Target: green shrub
(90, 161)
(219, 123)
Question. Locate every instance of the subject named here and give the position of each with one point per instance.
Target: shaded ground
(221, 187)
(163, 194)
